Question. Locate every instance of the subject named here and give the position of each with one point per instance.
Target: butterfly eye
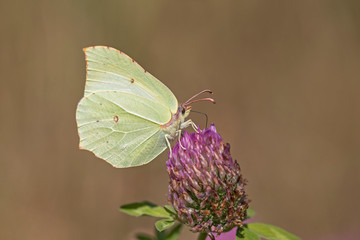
(183, 111)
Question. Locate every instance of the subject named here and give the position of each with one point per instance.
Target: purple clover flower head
(206, 187)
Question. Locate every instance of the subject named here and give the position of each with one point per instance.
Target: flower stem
(202, 236)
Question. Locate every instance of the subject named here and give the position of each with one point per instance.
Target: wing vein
(118, 67)
(135, 114)
(144, 141)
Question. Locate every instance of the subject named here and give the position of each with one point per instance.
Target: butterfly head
(184, 110)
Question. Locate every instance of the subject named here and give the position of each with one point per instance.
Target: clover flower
(206, 187)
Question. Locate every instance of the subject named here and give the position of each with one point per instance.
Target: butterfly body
(176, 123)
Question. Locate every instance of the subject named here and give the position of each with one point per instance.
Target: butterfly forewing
(110, 69)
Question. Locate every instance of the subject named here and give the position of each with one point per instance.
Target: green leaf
(271, 232)
(145, 209)
(245, 234)
(170, 209)
(143, 237)
(250, 213)
(174, 233)
(163, 224)
(202, 236)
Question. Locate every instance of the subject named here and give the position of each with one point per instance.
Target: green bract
(149, 209)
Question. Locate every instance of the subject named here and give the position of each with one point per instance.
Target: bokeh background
(285, 75)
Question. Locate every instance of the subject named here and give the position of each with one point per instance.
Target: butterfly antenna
(199, 100)
(203, 91)
(206, 116)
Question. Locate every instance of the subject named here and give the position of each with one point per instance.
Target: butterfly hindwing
(122, 128)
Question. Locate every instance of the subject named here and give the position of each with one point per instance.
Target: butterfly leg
(178, 132)
(188, 123)
(167, 137)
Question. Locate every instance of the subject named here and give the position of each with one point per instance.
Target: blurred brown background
(285, 75)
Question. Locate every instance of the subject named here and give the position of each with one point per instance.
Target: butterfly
(127, 117)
